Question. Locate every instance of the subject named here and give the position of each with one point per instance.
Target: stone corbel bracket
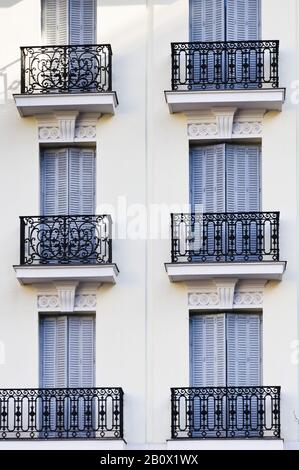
(67, 297)
(67, 127)
(225, 123)
(226, 294)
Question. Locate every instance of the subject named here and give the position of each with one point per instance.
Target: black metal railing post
(224, 64)
(22, 70)
(121, 417)
(22, 238)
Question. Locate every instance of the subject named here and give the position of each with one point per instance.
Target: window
(68, 22)
(225, 350)
(67, 351)
(67, 361)
(224, 20)
(68, 181)
(225, 178)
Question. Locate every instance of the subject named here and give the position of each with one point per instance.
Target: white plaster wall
(142, 154)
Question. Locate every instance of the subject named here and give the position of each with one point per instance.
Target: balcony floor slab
(225, 444)
(267, 270)
(35, 104)
(184, 101)
(63, 444)
(34, 274)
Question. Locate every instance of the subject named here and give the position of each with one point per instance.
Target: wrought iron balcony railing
(66, 239)
(225, 237)
(218, 65)
(225, 412)
(86, 413)
(66, 69)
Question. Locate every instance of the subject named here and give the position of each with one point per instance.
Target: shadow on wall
(9, 85)
(8, 3)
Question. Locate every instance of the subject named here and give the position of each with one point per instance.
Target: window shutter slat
(53, 346)
(206, 20)
(81, 181)
(243, 350)
(207, 177)
(81, 351)
(243, 20)
(82, 21)
(243, 178)
(55, 22)
(207, 350)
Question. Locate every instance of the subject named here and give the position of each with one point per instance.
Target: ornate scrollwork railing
(84, 413)
(62, 239)
(66, 69)
(208, 65)
(228, 237)
(225, 412)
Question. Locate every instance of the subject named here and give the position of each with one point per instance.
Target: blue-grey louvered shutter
(243, 24)
(243, 178)
(207, 351)
(243, 20)
(207, 193)
(81, 351)
(243, 350)
(81, 181)
(55, 22)
(54, 182)
(244, 369)
(206, 20)
(243, 194)
(207, 369)
(53, 352)
(82, 21)
(207, 178)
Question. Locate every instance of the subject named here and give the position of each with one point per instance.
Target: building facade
(149, 271)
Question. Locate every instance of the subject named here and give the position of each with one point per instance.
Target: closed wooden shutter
(243, 177)
(207, 178)
(81, 351)
(55, 22)
(207, 350)
(243, 350)
(54, 182)
(68, 181)
(67, 351)
(82, 21)
(53, 352)
(243, 20)
(206, 20)
(81, 181)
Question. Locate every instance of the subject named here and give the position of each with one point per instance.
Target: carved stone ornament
(67, 127)
(225, 123)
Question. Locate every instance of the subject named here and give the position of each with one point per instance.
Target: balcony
(243, 75)
(66, 78)
(242, 245)
(66, 248)
(225, 413)
(61, 413)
